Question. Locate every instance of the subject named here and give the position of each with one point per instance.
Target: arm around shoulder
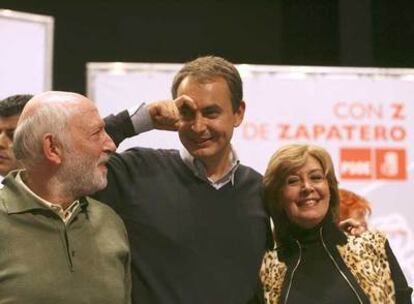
(402, 290)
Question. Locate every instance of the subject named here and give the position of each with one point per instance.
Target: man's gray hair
(28, 136)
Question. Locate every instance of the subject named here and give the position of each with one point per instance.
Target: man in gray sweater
(57, 245)
(196, 221)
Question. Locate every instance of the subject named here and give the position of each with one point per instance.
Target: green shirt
(42, 260)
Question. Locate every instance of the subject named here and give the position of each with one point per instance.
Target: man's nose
(198, 124)
(4, 140)
(109, 145)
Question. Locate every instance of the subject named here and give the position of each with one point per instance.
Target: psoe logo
(355, 163)
(366, 163)
(390, 164)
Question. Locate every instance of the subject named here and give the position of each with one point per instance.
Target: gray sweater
(190, 243)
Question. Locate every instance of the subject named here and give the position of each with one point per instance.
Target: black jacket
(318, 273)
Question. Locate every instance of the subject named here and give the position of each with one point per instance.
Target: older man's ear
(52, 149)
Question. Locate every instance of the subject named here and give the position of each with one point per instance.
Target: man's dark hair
(207, 68)
(14, 104)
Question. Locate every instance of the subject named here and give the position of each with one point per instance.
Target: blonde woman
(313, 260)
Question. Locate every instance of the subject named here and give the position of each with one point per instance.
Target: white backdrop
(364, 117)
(26, 42)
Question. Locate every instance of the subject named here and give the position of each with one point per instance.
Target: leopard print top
(365, 257)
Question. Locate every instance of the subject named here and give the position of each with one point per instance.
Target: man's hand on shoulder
(352, 226)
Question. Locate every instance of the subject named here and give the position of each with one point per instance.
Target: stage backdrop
(26, 53)
(364, 117)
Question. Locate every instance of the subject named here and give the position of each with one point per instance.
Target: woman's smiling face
(305, 194)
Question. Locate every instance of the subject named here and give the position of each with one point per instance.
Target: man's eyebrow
(98, 127)
(211, 107)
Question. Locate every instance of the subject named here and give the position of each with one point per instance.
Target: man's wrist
(141, 119)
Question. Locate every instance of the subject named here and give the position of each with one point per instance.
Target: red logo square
(391, 164)
(355, 163)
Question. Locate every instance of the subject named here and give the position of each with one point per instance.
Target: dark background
(365, 33)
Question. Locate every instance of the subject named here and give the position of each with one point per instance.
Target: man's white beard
(80, 174)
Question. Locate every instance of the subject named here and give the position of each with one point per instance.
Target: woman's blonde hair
(286, 160)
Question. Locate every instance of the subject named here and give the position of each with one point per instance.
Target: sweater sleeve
(119, 127)
(402, 290)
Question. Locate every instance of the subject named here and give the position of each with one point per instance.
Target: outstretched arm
(161, 115)
(119, 127)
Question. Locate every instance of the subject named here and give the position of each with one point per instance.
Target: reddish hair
(350, 201)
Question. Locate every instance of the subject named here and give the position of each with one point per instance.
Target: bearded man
(56, 244)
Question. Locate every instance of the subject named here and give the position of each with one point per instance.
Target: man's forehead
(208, 92)
(204, 79)
(9, 121)
(86, 117)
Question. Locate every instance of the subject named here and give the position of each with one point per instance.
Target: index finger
(185, 102)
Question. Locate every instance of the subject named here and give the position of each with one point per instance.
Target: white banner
(363, 117)
(26, 53)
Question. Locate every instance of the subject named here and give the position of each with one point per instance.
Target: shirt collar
(22, 201)
(64, 214)
(25, 199)
(197, 167)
